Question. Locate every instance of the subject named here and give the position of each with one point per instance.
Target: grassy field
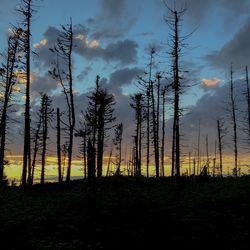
(127, 213)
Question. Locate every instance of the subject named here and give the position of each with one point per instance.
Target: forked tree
(63, 73)
(99, 117)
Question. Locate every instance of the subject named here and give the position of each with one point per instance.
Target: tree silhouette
(247, 94)
(59, 158)
(234, 121)
(46, 116)
(118, 144)
(99, 117)
(63, 73)
(9, 79)
(163, 94)
(26, 10)
(174, 23)
(36, 139)
(220, 127)
(147, 85)
(137, 105)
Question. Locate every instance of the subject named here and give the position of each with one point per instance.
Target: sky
(111, 38)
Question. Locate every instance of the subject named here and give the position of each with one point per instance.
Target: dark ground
(127, 213)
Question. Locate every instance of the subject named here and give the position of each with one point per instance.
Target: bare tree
(59, 158)
(147, 85)
(248, 104)
(163, 93)
(219, 127)
(176, 47)
(8, 81)
(63, 73)
(118, 144)
(207, 151)
(155, 122)
(83, 133)
(46, 115)
(26, 10)
(234, 121)
(99, 117)
(198, 150)
(137, 105)
(36, 139)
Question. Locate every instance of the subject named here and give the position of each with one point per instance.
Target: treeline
(149, 105)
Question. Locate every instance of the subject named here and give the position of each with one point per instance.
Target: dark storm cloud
(237, 50)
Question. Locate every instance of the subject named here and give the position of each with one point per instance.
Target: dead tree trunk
(59, 158)
(91, 161)
(248, 103)
(26, 11)
(44, 134)
(154, 125)
(199, 151)
(36, 147)
(219, 128)
(234, 120)
(72, 105)
(207, 151)
(163, 131)
(9, 81)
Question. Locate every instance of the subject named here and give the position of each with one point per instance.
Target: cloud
(210, 107)
(43, 84)
(116, 17)
(43, 42)
(84, 73)
(124, 76)
(199, 11)
(210, 83)
(121, 51)
(237, 50)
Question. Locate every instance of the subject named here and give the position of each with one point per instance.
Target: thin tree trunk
(156, 142)
(84, 154)
(189, 163)
(45, 134)
(35, 150)
(59, 158)
(235, 136)
(199, 153)
(26, 150)
(9, 82)
(163, 133)
(215, 156)
(109, 162)
(207, 151)
(72, 106)
(220, 147)
(176, 128)
(248, 103)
